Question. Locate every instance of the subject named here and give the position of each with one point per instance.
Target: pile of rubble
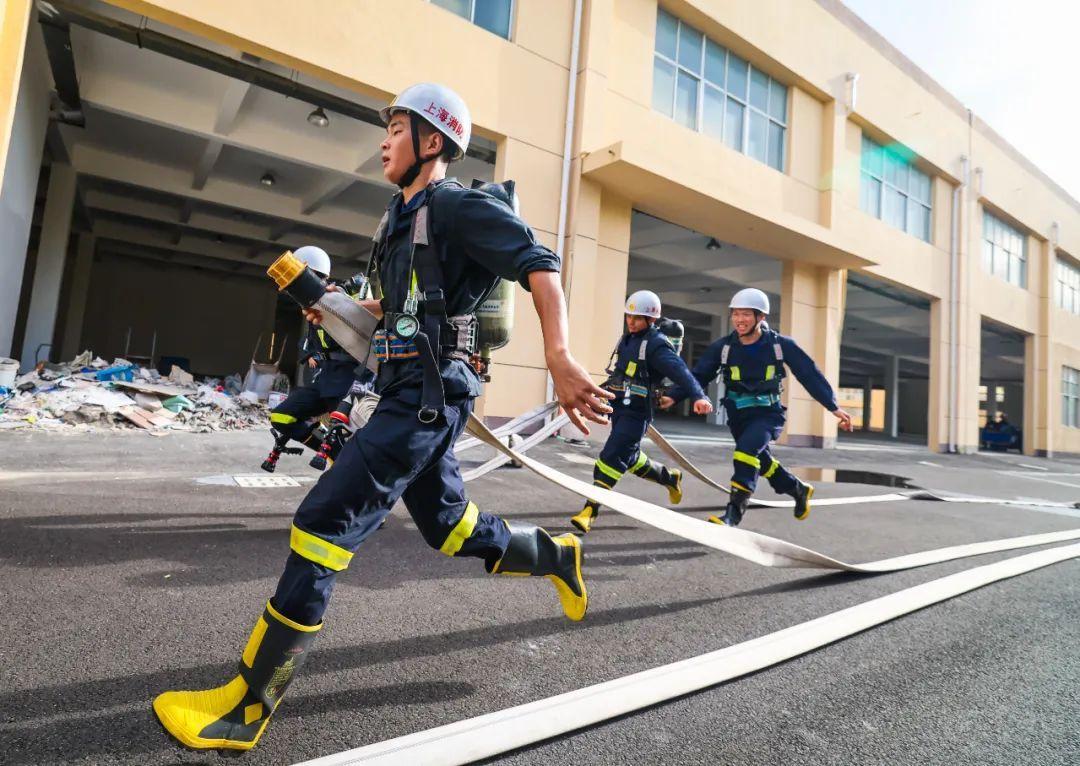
(90, 393)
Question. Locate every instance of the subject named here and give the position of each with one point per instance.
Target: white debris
(59, 396)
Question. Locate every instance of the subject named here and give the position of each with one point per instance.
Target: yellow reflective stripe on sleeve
(772, 468)
(735, 374)
(461, 531)
(608, 470)
(631, 368)
(318, 550)
(281, 417)
(642, 461)
(744, 457)
(770, 372)
(254, 641)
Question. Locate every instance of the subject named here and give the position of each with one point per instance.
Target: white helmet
(750, 298)
(444, 109)
(644, 303)
(316, 259)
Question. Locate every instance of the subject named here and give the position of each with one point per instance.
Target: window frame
(1070, 397)
(703, 82)
(880, 176)
(471, 18)
(1067, 277)
(994, 235)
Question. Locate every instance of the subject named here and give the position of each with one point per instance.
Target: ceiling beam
(205, 166)
(232, 100)
(325, 193)
(126, 169)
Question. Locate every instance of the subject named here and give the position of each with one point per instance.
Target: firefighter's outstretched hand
(579, 397)
(666, 402)
(845, 419)
(702, 407)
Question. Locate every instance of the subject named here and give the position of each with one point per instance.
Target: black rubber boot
(735, 510)
(233, 716)
(585, 518)
(532, 551)
(802, 494)
(659, 474)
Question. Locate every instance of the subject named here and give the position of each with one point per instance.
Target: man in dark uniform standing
(752, 360)
(439, 252)
(643, 358)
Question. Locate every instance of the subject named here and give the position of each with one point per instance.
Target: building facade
(688, 145)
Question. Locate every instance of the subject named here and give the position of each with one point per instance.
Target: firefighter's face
(744, 320)
(635, 323)
(397, 153)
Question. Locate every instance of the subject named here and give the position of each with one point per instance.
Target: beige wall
(626, 156)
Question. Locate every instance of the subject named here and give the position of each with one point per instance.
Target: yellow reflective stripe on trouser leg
(641, 462)
(281, 417)
(745, 457)
(461, 531)
(772, 469)
(318, 550)
(608, 470)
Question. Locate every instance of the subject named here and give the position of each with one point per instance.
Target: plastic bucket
(9, 370)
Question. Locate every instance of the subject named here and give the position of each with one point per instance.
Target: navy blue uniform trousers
(753, 429)
(394, 456)
(623, 445)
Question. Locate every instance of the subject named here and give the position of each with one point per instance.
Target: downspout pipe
(954, 304)
(568, 147)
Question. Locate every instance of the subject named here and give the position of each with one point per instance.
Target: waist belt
(742, 401)
(388, 347)
(459, 334)
(633, 389)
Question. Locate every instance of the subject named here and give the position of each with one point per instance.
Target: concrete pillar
(1039, 375)
(939, 385)
(519, 370)
(52, 253)
(718, 329)
(80, 285)
(24, 114)
(969, 325)
(810, 312)
(892, 396)
(867, 399)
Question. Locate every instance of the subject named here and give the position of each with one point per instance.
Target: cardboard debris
(180, 376)
(91, 393)
(148, 402)
(152, 388)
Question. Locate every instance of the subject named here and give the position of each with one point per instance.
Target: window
(1070, 397)
(1068, 286)
(1004, 250)
(707, 88)
(492, 15)
(894, 190)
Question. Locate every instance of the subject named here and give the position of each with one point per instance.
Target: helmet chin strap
(414, 170)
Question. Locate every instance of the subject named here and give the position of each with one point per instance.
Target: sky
(1015, 64)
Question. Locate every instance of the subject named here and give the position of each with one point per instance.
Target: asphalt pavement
(129, 566)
